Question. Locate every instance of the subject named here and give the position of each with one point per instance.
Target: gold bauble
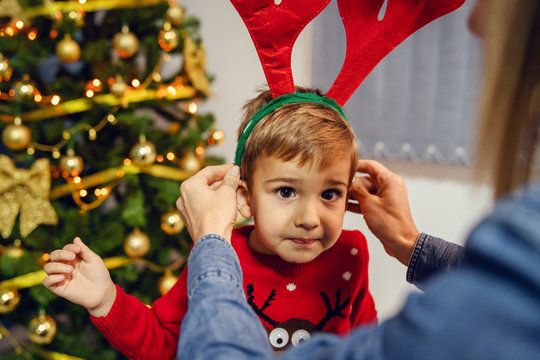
(118, 88)
(71, 163)
(9, 299)
(68, 50)
(190, 162)
(166, 282)
(4, 66)
(125, 43)
(16, 137)
(171, 222)
(42, 329)
(175, 15)
(136, 244)
(216, 137)
(143, 153)
(14, 251)
(168, 39)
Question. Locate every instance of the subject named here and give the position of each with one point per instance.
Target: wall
(444, 201)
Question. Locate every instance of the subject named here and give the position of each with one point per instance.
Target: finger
(57, 268)
(86, 254)
(211, 174)
(232, 178)
(52, 280)
(371, 167)
(62, 255)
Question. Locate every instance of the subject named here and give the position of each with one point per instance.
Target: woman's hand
(207, 201)
(382, 199)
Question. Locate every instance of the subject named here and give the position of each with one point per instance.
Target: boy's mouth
(303, 241)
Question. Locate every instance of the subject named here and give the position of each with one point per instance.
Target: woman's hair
(306, 133)
(509, 107)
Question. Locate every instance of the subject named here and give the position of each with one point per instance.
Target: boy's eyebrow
(292, 180)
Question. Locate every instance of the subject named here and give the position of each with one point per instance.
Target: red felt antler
(370, 40)
(274, 27)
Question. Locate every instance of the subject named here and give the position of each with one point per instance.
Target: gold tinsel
(25, 192)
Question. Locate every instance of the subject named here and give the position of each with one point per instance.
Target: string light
(89, 93)
(77, 180)
(127, 162)
(55, 100)
(159, 158)
(19, 24)
(135, 83)
(83, 193)
(170, 156)
(192, 108)
(32, 35)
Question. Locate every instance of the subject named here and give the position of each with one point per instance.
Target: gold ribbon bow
(27, 192)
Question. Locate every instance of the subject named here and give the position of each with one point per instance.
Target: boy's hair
(307, 133)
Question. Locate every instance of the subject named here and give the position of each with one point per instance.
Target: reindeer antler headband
(274, 26)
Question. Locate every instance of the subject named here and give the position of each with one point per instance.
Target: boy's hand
(79, 275)
(382, 199)
(207, 201)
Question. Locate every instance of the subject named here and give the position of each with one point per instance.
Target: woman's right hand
(79, 275)
(382, 199)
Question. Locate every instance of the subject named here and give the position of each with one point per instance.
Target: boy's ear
(244, 200)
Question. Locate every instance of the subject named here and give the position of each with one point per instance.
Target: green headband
(278, 102)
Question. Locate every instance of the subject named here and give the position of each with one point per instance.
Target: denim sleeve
(432, 255)
(219, 323)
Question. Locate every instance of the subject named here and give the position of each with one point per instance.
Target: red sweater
(328, 294)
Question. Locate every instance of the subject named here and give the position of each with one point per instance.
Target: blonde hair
(306, 133)
(509, 104)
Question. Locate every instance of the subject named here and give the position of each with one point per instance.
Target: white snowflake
(347, 275)
(354, 251)
(291, 287)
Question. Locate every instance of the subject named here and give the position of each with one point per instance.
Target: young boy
(302, 273)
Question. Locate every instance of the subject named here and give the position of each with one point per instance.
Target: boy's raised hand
(79, 275)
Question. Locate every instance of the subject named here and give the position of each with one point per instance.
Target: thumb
(232, 178)
(360, 188)
(85, 253)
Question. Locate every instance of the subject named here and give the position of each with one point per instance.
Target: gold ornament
(216, 137)
(118, 87)
(4, 66)
(16, 136)
(27, 192)
(143, 153)
(190, 163)
(42, 329)
(71, 163)
(171, 222)
(168, 39)
(195, 65)
(175, 15)
(125, 43)
(9, 299)
(136, 244)
(68, 50)
(14, 251)
(166, 282)
(10, 8)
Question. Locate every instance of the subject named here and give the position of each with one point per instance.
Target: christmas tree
(99, 124)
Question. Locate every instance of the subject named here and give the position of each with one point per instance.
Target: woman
(489, 308)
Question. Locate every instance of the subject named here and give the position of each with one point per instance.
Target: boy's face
(298, 211)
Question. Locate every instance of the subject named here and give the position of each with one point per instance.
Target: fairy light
(45, 257)
(170, 156)
(55, 100)
(127, 162)
(11, 92)
(82, 2)
(83, 193)
(199, 150)
(32, 35)
(96, 82)
(192, 108)
(77, 179)
(38, 98)
(171, 90)
(53, 34)
(89, 93)
(19, 24)
(104, 192)
(97, 192)
(10, 31)
(160, 158)
(135, 83)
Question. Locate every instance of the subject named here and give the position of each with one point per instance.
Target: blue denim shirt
(488, 309)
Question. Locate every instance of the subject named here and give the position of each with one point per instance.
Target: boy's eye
(331, 194)
(285, 192)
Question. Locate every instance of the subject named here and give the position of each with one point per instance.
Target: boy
(297, 167)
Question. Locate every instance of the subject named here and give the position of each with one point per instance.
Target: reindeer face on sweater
(294, 331)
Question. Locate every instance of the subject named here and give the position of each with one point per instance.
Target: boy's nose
(307, 215)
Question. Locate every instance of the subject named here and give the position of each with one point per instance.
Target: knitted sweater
(329, 294)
